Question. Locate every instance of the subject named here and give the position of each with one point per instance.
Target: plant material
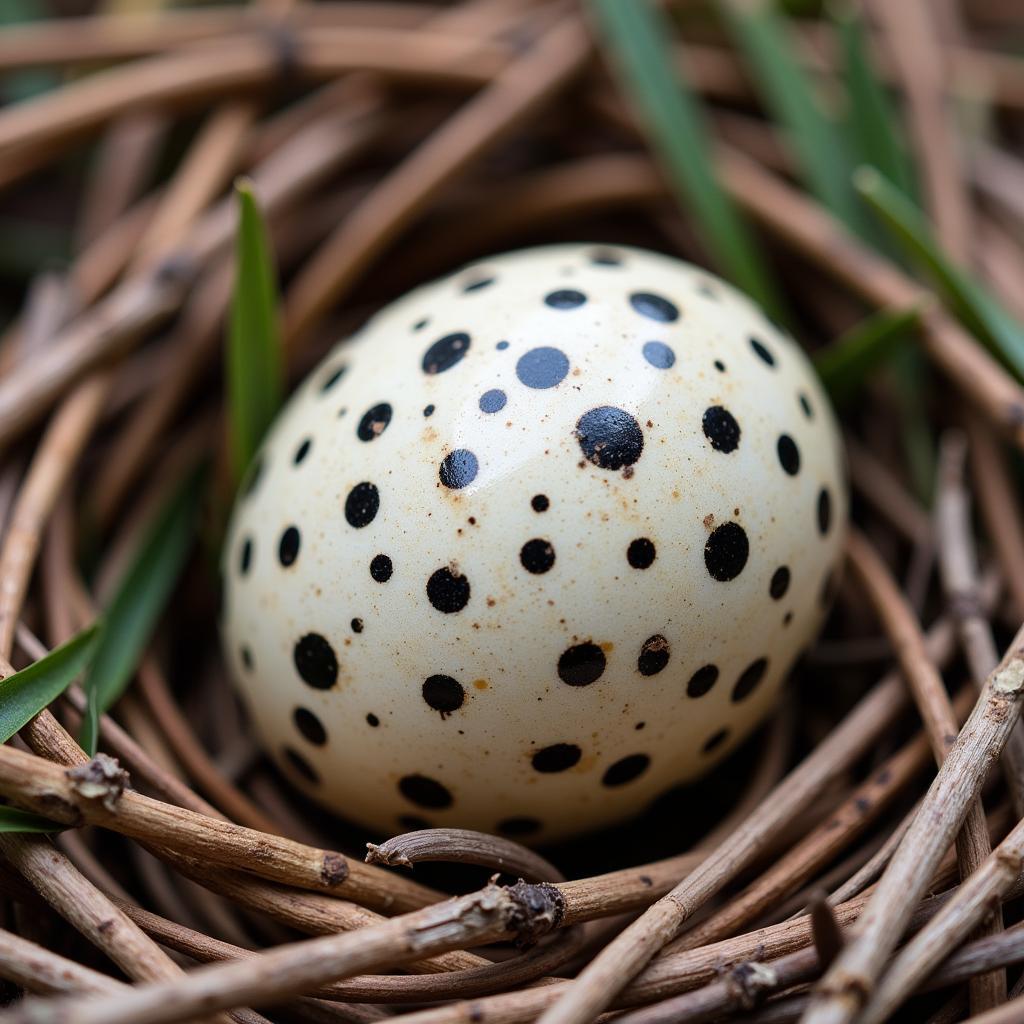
(636, 36)
(26, 693)
(975, 307)
(791, 97)
(255, 369)
(851, 358)
(140, 598)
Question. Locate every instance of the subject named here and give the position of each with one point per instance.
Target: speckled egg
(537, 544)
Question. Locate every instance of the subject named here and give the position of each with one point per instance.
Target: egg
(539, 543)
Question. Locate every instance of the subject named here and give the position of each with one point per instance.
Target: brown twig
(462, 846)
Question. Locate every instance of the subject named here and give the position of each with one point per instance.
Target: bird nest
(860, 172)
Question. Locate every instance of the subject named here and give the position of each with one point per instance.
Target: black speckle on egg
(288, 547)
(372, 720)
(501, 346)
(425, 792)
(641, 553)
(726, 552)
(721, 429)
(805, 406)
(540, 503)
(315, 661)
(428, 410)
(715, 740)
(477, 285)
(245, 653)
(301, 766)
(749, 680)
(779, 583)
(559, 757)
(381, 568)
(362, 505)
(565, 298)
(357, 625)
(626, 770)
(448, 591)
(537, 556)
(824, 511)
(654, 307)
(332, 377)
(609, 437)
(762, 352)
(659, 355)
(493, 400)
(581, 665)
(719, 366)
(311, 728)
(245, 556)
(654, 655)
(789, 454)
(458, 469)
(443, 694)
(445, 352)
(302, 451)
(702, 680)
(605, 258)
(515, 828)
(374, 422)
(420, 324)
(542, 367)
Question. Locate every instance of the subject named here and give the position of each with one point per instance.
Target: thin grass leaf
(14, 820)
(637, 36)
(255, 366)
(138, 603)
(979, 311)
(872, 121)
(845, 364)
(789, 93)
(26, 693)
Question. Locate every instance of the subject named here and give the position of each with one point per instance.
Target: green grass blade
(255, 367)
(845, 364)
(872, 120)
(979, 311)
(636, 36)
(14, 820)
(26, 693)
(789, 94)
(138, 603)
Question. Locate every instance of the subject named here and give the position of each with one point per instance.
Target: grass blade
(138, 603)
(255, 365)
(14, 820)
(636, 36)
(851, 358)
(872, 121)
(789, 93)
(26, 693)
(973, 305)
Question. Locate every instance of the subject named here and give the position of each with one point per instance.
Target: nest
(828, 870)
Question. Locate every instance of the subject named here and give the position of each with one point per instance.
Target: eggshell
(539, 543)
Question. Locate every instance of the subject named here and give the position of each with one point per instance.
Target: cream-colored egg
(539, 543)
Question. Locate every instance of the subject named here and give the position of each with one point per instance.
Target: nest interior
(830, 870)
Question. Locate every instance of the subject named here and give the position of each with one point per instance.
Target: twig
(522, 911)
(851, 980)
(462, 846)
(518, 91)
(57, 792)
(958, 563)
